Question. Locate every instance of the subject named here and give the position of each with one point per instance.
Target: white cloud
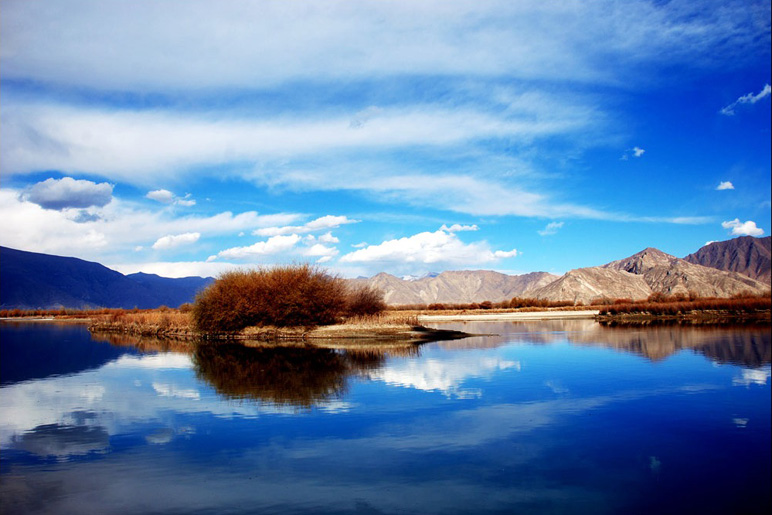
(68, 193)
(162, 196)
(320, 224)
(175, 240)
(725, 185)
(328, 238)
(274, 245)
(180, 44)
(743, 228)
(750, 98)
(635, 152)
(503, 254)
(459, 228)
(439, 247)
(167, 197)
(321, 251)
(120, 228)
(552, 228)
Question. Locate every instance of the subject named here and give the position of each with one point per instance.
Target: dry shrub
(364, 301)
(285, 296)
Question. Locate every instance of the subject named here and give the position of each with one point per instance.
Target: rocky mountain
(587, 284)
(745, 255)
(640, 275)
(457, 287)
(29, 280)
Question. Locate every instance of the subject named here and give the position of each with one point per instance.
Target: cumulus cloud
(323, 252)
(175, 240)
(750, 98)
(428, 248)
(67, 193)
(551, 228)
(743, 228)
(320, 224)
(274, 245)
(162, 196)
(725, 185)
(120, 228)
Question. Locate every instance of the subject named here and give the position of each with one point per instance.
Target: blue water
(545, 417)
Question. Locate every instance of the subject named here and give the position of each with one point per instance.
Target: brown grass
(660, 305)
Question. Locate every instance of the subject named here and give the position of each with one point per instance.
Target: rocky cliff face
(745, 255)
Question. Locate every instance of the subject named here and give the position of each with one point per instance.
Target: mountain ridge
(45, 281)
(32, 280)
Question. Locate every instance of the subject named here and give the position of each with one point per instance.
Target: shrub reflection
(292, 376)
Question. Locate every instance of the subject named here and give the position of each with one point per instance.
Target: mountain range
(31, 280)
(719, 269)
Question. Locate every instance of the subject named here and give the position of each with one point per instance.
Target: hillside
(745, 255)
(29, 280)
(646, 272)
(457, 287)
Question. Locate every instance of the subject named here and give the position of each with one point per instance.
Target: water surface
(558, 417)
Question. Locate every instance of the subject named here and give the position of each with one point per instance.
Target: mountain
(640, 275)
(457, 286)
(29, 280)
(172, 292)
(745, 255)
(587, 284)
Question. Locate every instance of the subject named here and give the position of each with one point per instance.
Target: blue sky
(184, 138)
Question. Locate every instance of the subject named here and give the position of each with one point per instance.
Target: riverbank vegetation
(285, 296)
(690, 307)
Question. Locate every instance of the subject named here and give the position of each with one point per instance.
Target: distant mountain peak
(643, 261)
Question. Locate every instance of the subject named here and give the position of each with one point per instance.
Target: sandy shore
(521, 316)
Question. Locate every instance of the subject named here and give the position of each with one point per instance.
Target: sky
(410, 137)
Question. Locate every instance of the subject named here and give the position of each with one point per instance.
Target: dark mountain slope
(745, 255)
(29, 280)
(172, 292)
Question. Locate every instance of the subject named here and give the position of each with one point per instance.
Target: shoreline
(514, 316)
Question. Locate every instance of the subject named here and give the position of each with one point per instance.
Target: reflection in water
(295, 376)
(513, 426)
(60, 349)
(62, 441)
(746, 345)
(144, 343)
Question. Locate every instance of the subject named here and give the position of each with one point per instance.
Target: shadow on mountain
(297, 376)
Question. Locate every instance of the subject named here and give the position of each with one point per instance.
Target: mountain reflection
(748, 345)
(302, 376)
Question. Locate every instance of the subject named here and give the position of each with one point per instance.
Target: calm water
(550, 417)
